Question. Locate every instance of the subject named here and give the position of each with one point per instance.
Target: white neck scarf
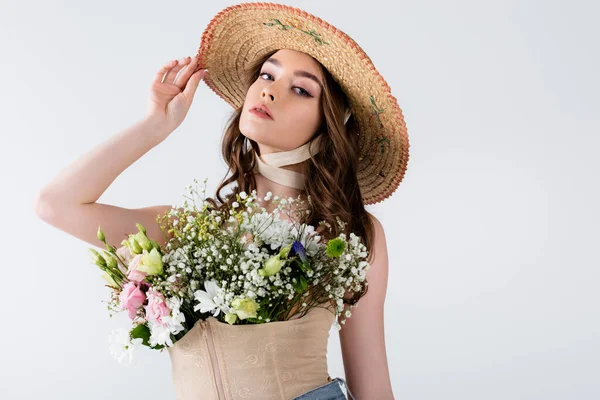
(268, 165)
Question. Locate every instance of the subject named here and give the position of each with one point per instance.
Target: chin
(253, 132)
(264, 142)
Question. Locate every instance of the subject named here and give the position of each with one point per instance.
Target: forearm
(88, 177)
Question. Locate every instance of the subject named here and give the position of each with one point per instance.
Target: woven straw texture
(240, 33)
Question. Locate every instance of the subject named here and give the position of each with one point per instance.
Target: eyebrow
(303, 73)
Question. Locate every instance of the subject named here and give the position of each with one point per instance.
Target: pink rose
(134, 274)
(131, 298)
(157, 307)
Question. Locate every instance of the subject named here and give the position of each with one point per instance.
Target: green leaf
(143, 332)
(303, 282)
(296, 262)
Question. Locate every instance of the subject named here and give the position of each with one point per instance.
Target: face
(289, 85)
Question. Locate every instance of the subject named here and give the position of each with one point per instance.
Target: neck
(271, 165)
(264, 185)
(283, 173)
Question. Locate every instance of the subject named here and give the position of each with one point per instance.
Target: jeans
(328, 391)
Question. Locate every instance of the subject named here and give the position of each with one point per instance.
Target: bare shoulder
(378, 271)
(375, 220)
(379, 233)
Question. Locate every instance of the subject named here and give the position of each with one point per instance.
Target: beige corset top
(275, 360)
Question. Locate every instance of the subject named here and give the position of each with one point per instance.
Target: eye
(302, 92)
(264, 73)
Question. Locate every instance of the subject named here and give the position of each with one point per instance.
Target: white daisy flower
(122, 347)
(160, 335)
(211, 299)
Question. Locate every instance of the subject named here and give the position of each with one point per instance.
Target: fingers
(183, 76)
(193, 82)
(158, 78)
(173, 72)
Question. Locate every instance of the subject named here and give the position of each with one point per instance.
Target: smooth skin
(295, 104)
(69, 201)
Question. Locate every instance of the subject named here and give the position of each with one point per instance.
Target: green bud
(143, 241)
(110, 260)
(141, 228)
(109, 280)
(134, 246)
(285, 251)
(97, 258)
(154, 244)
(100, 235)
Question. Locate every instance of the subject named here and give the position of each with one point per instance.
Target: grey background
(492, 236)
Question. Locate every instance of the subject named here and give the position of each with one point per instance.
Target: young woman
(312, 117)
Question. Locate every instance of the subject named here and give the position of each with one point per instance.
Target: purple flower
(298, 248)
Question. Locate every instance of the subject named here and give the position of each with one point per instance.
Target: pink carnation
(131, 298)
(157, 307)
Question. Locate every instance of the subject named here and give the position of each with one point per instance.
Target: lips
(264, 109)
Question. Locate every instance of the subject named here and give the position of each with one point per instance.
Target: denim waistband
(346, 385)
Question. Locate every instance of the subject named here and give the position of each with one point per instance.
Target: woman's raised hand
(172, 92)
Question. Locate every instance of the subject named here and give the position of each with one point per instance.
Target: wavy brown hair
(332, 172)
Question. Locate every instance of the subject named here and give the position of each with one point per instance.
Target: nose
(267, 94)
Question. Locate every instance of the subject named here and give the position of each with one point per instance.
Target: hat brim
(239, 34)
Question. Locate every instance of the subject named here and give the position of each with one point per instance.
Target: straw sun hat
(239, 34)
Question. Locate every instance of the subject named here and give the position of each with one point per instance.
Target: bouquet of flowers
(239, 264)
